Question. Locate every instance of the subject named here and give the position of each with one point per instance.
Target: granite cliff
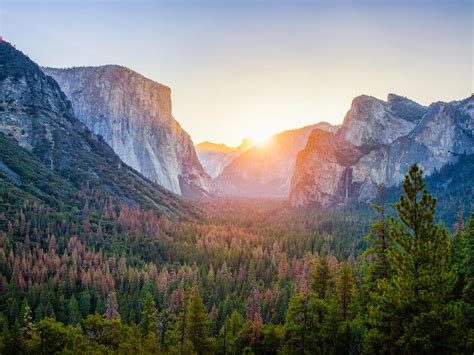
(134, 116)
(377, 143)
(37, 121)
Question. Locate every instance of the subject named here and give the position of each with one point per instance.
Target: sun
(260, 137)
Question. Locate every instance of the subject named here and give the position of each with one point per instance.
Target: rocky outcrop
(133, 114)
(371, 122)
(378, 143)
(215, 157)
(36, 114)
(266, 170)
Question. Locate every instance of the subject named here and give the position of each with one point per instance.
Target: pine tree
(412, 312)
(197, 322)
(73, 311)
(301, 324)
(468, 272)
(379, 243)
(149, 315)
(345, 289)
(322, 279)
(229, 333)
(85, 303)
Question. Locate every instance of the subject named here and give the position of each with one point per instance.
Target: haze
(245, 69)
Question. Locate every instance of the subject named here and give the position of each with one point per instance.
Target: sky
(254, 68)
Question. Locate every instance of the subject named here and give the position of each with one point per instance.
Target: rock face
(37, 115)
(378, 143)
(215, 157)
(266, 170)
(133, 115)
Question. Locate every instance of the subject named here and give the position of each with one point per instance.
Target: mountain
(377, 143)
(215, 157)
(266, 170)
(134, 116)
(46, 152)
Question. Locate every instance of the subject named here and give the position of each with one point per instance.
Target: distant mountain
(47, 153)
(266, 170)
(377, 143)
(134, 116)
(215, 157)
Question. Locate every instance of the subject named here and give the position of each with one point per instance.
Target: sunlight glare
(261, 139)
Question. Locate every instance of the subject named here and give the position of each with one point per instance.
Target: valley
(118, 235)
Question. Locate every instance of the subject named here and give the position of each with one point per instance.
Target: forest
(90, 275)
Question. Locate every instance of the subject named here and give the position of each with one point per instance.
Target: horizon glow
(254, 68)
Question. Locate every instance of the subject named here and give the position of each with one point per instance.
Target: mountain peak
(405, 108)
(371, 121)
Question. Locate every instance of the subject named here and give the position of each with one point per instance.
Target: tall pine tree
(412, 312)
(197, 322)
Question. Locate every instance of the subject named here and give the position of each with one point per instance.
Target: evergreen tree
(85, 304)
(73, 311)
(229, 333)
(197, 322)
(468, 272)
(345, 288)
(413, 312)
(379, 241)
(301, 324)
(322, 278)
(149, 315)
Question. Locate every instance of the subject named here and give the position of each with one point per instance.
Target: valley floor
(246, 276)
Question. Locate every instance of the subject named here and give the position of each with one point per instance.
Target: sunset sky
(252, 68)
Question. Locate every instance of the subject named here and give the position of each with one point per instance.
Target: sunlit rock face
(266, 170)
(378, 143)
(39, 117)
(323, 170)
(215, 157)
(133, 115)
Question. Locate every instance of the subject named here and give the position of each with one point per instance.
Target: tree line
(248, 279)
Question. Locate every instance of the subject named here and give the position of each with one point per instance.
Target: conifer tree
(149, 315)
(85, 303)
(345, 288)
(322, 278)
(197, 322)
(229, 333)
(413, 312)
(73, 311)
(300, 324)
(468, 273)
(379, 243)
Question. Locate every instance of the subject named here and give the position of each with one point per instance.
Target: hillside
(38, 117)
